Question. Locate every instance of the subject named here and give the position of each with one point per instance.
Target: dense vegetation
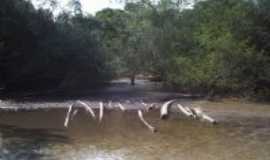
(214, 47)
(40, 51)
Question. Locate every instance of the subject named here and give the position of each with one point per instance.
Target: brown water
(37, 131)
(40, 134)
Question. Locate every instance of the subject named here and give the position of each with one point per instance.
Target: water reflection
(19, 143)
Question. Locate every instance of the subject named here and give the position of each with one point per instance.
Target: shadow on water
(20, 143)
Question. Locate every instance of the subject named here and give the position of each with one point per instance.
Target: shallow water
(40, 134)
(32, 128)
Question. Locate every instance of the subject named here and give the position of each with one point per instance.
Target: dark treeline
(214, 47)
(40, 51)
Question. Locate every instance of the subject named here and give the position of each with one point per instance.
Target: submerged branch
(101, 111)
(151, 128)
(88, 108)
(121, 107)
(164, 113)
(68, 115)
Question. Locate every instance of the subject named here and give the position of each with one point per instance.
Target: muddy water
(40, 134)
(33, 129)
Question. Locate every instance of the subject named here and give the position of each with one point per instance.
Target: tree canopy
(205, 46)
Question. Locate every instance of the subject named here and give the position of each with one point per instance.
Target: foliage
(40, 51)
(206, 46)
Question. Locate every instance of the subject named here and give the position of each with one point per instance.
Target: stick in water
(204, 116)
(190, 110)
(101, 111)
(151, 128)
(121, 107)
(164, 109)
(68, 115)
(88, 108)
(74, 113)
(146, 106)
(183, 110)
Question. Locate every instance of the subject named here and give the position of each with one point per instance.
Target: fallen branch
(74, 113)
(68, 115)
(147, 107)
(101, 109)
(204, 116)
(164, 109)
(121, 107)
(88, 108)
(151, 107)
(184, 110)
(151, 128)
(110, 105)
(144, 104)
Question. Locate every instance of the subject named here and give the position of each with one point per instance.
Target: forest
(211, 47)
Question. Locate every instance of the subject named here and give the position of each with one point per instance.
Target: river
(33, 129)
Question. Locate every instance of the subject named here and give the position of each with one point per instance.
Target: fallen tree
(195, 112)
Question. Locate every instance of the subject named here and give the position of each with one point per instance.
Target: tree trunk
(132, 80)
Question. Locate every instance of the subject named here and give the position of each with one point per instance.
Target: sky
(91, 6)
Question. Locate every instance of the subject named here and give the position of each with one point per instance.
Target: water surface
(40, 134)
(32, 128)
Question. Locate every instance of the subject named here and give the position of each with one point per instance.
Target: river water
(243, 133)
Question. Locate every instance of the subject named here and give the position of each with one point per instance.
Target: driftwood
(151, 128)
(191, 111)
(195, 112)
(203, 116)
(121, 107)
(101, 111)
(88, 108)
(147, 106)
(74, 113)
(164, 113)
(152, 106)
(68, 115)
(184, 110)
(144, 104)
(110, 105)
